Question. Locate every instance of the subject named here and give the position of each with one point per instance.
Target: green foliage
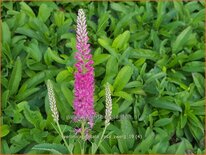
(152, 54)
(54, 148)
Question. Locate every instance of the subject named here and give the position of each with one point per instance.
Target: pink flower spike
(84, 75)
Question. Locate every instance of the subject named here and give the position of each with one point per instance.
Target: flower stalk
(55, 114)
(108, 114)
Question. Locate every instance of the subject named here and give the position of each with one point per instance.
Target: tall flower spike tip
(52, 101)
(108, 111)
(84, 75)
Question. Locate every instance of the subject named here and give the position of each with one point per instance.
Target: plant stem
(62, 135)
(82, 149)
(82, 132)
(100, 140)
(82, 136)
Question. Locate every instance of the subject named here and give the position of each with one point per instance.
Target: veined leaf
(144, 53)
(122, 145)
(53, 55)
(144, 146)
(123, 78)
(194, 66)
(163, 122)
(111, 69)
(15, 78)
(121, 40)
(26, 8)
(44, 12)
(24, 94)
(4, 130)
(199, 83)
(34, 117)
(104, 43)
(127, 131)
(59, 18)
(5, 97)
(164, 103)
(102, 22)
(6, 33)
(100, 58)
(53, 148)
(124, 95)
(181, 39)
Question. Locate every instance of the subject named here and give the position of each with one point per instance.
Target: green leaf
(179, 82)
(33, 81)
(181, 39)
(124, 106)
(128, 132)
(161, 147)
(4, 130)
(34, 117)
(44, 12)
(111, 69)
(21, 19)
(94, 148)
(164, 103)
(195, 121)
(181, 148)
(183, 120)
(199, 83)
(145, 144)
(105, 148)
(27, 9)
(104, 43)
(163, 122)
(123, 78)
(122, 145)
(134, 84)
(62, 76)
(112, 66)
(144, 53)
(59, 18)
(199, 54)
(121, 40)
(24, 94)
(115, 109)
(100, 58)
(54, 56)
(199, 103)
(5, 147)
(31, 33)
(34, 51)
(124, 95)
(103, 22)
(155, 77)
(145, 113)
(194, 66)
(196, 132)
(21, 105)
(5, 97)
(123, 22)
(68, 94)
(138, 91)
(53, 148)
(15, 77)
(77, 148)
(119, 7)
(6, 33)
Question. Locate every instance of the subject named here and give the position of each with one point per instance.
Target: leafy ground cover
(152, 54)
